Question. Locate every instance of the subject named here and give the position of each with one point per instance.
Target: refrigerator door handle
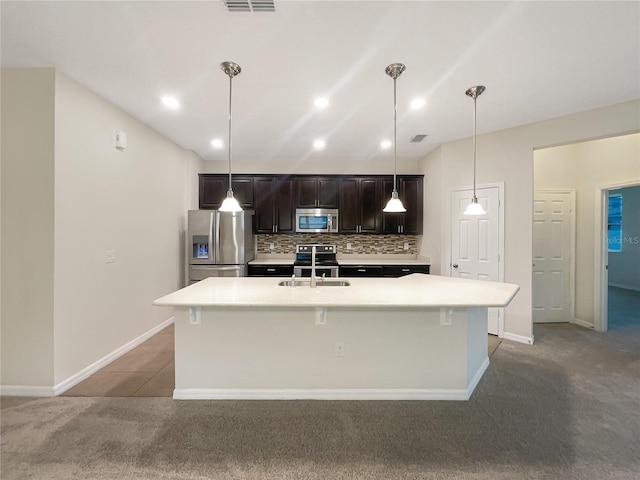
(212, 250)
(216, 267)
(216, 230)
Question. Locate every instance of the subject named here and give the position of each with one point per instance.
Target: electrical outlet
(339, 349)
(348, 246)
(110, 256)
(406, 245)
(195, 315)
(321, 316)
(445, 315)
(272, 246)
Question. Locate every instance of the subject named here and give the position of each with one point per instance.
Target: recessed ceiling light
(319, 144)
(217, 143)
(171, 102)
(417, 103)
(321, 102)
(385, 144)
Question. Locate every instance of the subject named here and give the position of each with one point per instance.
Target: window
(614, 226)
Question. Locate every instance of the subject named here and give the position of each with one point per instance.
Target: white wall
(624, 266)
(584, 166)
(27, 227)
(507, 156)
(99, 198)
(131, 201)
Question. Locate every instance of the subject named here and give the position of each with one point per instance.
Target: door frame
(447, 237)
(601, 253)
(572, 250)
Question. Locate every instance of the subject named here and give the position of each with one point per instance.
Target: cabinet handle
(362, 270)
(271, 269)
(406, 269)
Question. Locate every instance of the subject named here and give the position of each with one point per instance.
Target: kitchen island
(421, 337)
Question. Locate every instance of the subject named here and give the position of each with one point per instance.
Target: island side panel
(283, 353)
(477, 346)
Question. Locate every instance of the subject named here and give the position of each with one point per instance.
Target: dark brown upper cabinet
(316, 192)
(213, 190)
(410, 191)
(359, 200)
(274, 210)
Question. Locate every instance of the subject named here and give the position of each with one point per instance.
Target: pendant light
(394, 205)
(230, 204)
(474, 208)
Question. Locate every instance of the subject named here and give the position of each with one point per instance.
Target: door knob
(455, 265)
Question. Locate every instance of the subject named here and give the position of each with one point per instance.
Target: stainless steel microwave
(316, 220)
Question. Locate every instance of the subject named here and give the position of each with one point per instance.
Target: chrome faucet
(313, 267)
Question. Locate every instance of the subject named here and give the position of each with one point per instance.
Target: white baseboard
(518, 338)
(583, 323)
(318, 394)
(331, 393)
(476, 378)
(635, 288)
(42, 391)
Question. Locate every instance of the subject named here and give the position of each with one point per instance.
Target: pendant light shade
(474, 208)
(230, 204)
(394, 205)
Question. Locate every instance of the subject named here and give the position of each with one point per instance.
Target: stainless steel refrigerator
(219, 244)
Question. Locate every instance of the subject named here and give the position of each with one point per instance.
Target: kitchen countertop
(416, 290)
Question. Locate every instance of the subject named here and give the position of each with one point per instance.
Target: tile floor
(146, 371)
(149, 371)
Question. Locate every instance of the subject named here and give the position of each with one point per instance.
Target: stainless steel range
(326, 262)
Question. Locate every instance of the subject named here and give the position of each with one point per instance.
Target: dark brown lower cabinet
(381, 270)
(361, 271)
(270, 270)
(402, 270)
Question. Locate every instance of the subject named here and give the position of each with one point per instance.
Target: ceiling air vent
(419, 138)
(250, 5)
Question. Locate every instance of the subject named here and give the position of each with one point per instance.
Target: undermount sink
(319, 283)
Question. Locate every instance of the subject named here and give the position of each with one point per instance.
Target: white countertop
(273, 261)
(415, 290)
(349, 260)
(376, 261)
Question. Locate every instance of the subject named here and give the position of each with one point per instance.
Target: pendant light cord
(230, 92)
(395, 147)
(474, 145)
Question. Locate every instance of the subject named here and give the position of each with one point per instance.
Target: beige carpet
(565, 408)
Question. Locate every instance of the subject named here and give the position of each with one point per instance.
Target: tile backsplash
(360, 243)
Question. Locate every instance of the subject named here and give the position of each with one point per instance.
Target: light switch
(110, 256)
(120, 139)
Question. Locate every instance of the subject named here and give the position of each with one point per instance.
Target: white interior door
(552, 251)
(475, 241)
